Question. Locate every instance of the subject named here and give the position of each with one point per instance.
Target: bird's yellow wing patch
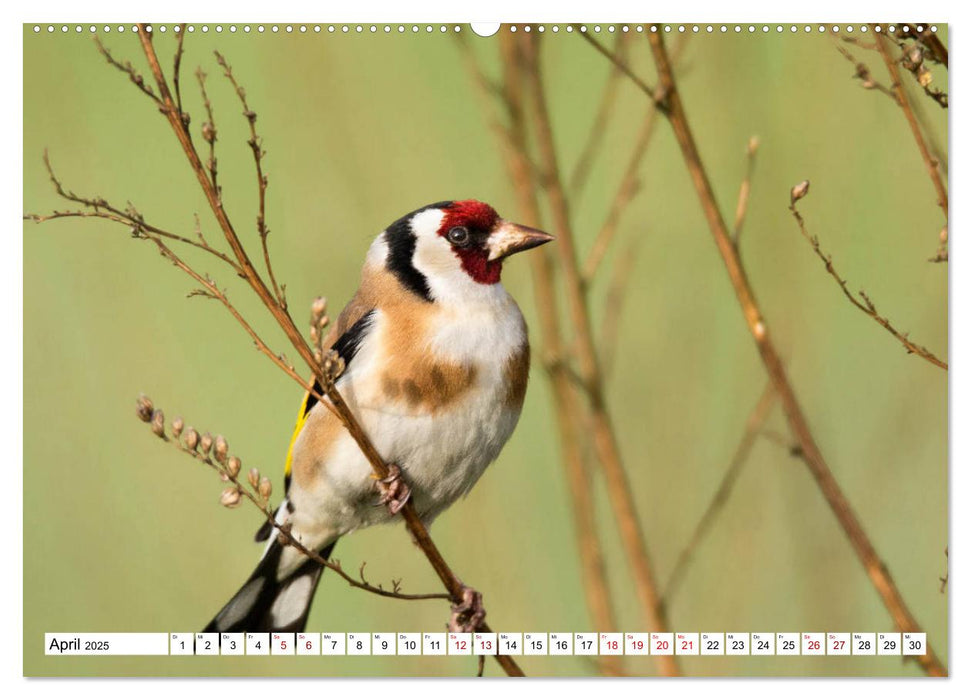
(308, 402)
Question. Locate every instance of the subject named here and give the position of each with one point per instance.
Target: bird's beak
(509, 238)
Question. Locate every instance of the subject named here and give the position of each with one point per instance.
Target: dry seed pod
(230, 497)
(318, 308)
(233, 466)
(144, 408)
(220, 449)
(158, 422)
(254, 477)
(177, 426)
(191, 438)
(205, 443)
(266, 488)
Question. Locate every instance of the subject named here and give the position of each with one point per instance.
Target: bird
(435, 358)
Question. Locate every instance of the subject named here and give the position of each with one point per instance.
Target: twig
(191, 447)
(608, 452)
(656, 98)
(102, 209)
(177, 67)
(752, 428)
(741, 208)
(863, 74)
(209, 133)
(127, 68)
(904, 102)
(799, 426)
(566, 406)
(256, 146)
(599, 128)
(863, 303)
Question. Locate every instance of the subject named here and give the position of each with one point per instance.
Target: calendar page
(522, 349)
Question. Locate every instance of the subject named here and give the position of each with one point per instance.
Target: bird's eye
(459, 235)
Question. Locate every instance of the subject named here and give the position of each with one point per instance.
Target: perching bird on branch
(436, 362)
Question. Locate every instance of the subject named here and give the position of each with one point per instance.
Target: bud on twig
(266, 488)
(233, 466)
(158, 422)
(799, 191)
(205, 444)
(230, 497)
(191, 438)
(220, 449)
(177, 426)
(144, 408)
(254, 477)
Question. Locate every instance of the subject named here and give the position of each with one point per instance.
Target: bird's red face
(481, 240)
(449, 250)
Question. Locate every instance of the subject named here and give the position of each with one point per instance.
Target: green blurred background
(121, 533)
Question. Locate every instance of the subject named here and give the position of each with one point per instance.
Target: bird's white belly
(441, 452)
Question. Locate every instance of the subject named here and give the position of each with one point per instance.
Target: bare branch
(863, 74)
(228, 470)
(209, 133)
(741, 208)
(256, 146)
(177, 71)
(128, 69)
(862, 302)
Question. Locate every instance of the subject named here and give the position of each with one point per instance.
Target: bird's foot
(469, 614)
(393, 489)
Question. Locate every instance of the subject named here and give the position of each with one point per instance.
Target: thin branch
(209, 133)
(599, 128)
(128, 69)
(605, 441)
(741, 208)
(929, 163)
(256, 146)
(102, 209)
(752, 427)
(863, 74)
(177, 69)
(656, 98)
(798, 425)
(251, 493)
(863, 301)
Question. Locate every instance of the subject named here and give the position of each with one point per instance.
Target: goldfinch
(436, 363)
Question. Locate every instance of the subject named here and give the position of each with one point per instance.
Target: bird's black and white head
(451, 250)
